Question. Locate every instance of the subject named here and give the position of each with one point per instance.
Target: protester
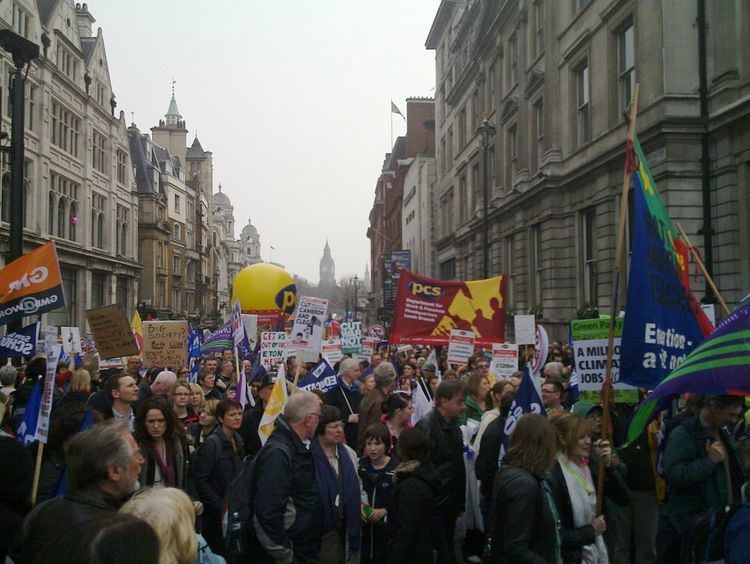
(252, 416)
(440, 427)
(206, 380)
(198, 432)
(181, 404)
(347, 397)
(214, 467)
(370, 410)
(16, 476)
(477, 385)
(162, 441)
(122, 393)
(552, 394)
(416, 529)
(163, 385)
(287, 501)
(8, 375)
(525, 515)
(376, 473)
(397, 411)
(340, 489)
(196, 398)
(134, 369)
(79, 387)
(103, 465)
(702, 471)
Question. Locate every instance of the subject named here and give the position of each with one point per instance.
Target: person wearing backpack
(702, 471)
(288, 505)
(215, 465)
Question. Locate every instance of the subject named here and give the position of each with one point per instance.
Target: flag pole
(37, 472)
(606, 394)
(702, 266)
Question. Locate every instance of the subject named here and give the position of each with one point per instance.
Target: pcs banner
(428, 310)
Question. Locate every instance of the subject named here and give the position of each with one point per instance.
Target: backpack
(239, 504)
(737, 537)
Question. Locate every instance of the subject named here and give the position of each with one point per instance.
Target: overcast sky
(292, 97)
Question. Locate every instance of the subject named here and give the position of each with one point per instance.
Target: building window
(20, 20)
(123, 294)
(583, 103)
(463, 200)
(462, 128)
(539, 130)
(160, 254)
(476, 186)
(177, 203)
(177, 232)
(67, 62)
(123, 227)
(539, 27)
(66, 316)
(176, 305)
(122, 166)
(536, 242)
(588, 246)
(66, 129)
(474, 112)
(449, 153)
(62, 215)
(176, 264)
(510, 271)
(99, 152)
(512, 60)
(491, 78)
(98, 205)
(512, 155)
(446, 212)
(30, 117)
(101, 93)
(625, 65)
(579, 5)
(161, 289)
(441, 159)
(448, 269)
(98, 281)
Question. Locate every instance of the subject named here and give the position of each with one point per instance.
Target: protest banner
(331, 350)
(217, 341)
(404, 348)
(322, 377)
(504, 361)
(460, 346)
(31, 285)
(21, 343)
(165, 343)
(273, 349)
(45, 408)
(427, 310)
(71, 340)
(307, 331)
(590, 353)
(351, 337)
(525, 328)
(111, 331)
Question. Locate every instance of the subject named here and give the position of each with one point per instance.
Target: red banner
(426, 310)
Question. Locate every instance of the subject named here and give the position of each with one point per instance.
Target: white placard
(308, 327)
(460, 346)
(591, 364)
(525, 329)
(71, 339)
(331, 350)
(504, 360)
(273, 349)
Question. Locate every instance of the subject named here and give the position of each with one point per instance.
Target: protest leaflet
(460, 346)
(273, 348)
(165, 343)
(590, 339)
(112, 332)
(504, 361)
(351, 337)
(307, 331)
(331, 350)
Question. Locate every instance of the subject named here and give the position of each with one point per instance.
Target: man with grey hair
(103, 464)
(287, 501)
(163, 384)
(553, 370)
(370, 410)
(346, 396)
(8, 375)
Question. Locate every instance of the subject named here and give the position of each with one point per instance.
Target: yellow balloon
(264, 287)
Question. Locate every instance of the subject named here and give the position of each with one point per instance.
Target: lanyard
(577, 476)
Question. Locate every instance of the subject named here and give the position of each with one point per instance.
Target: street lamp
(485, 131)
(356, 287)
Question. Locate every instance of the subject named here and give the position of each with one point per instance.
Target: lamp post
(485, 131)
(356, 287)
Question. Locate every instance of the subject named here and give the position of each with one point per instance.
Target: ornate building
(79, 188)
(327, 269)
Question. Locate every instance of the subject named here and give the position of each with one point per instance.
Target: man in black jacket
(252, 416)
(103, 464)
(441, 426)
(288, 506)
(347, 397)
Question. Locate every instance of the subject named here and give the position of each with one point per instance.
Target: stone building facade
(79, 184)
(554, 79)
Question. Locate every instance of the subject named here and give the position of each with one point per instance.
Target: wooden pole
(607, 386)
(37, 472)
(702, 266)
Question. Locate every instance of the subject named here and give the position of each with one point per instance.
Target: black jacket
(413, 520)
(523, 526)
(575, 538)
(486, 464)
(183, 477)
(446, 453)
(344, 399)
(249, 430)
(59, 517)
(285, 490)
(213, 471)
(53, 466)
(378, 485)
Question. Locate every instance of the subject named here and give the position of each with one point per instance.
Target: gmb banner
(427, 310)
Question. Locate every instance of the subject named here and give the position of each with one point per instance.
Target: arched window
(73, 220)
(62, 216)
(51, 207)
(6, 198)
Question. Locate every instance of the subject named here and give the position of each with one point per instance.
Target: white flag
(276, 405)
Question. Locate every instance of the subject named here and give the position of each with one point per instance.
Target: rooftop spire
(173, 114)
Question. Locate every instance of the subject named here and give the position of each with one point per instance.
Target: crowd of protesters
(139, 463)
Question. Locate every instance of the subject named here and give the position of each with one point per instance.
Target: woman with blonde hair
(181, 403)
(199, 431)
(170, 512)
(197, 399)
(79, 385)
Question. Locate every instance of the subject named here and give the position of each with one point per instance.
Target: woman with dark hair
(478, 386)
(376, 473)
(412, 514)
(340, 489)
(397, 411)
(163, 445)
(215, 465)
(525, 513)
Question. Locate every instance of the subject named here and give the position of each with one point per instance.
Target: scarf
(328, 484)
(166, 467)
(582, 493)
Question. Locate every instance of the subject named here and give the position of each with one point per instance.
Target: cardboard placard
(460, 346)
(165, 343)
(525, 329)
(112, 332)
(273, 349)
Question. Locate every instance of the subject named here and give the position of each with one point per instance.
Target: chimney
(84, 19)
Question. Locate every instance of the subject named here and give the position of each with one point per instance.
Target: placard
(273, 349)
(525, 329)
(165, 344)
(351, 337)
(460, 346)
(112, 332)
(307, 331)
(504, 361)
(368, 348)
(71, 340)
(331, 350)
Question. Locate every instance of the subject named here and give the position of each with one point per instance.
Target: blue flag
(194, 354)
(26, 431)
(322, 377)
(21, 343)
(527, 400)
